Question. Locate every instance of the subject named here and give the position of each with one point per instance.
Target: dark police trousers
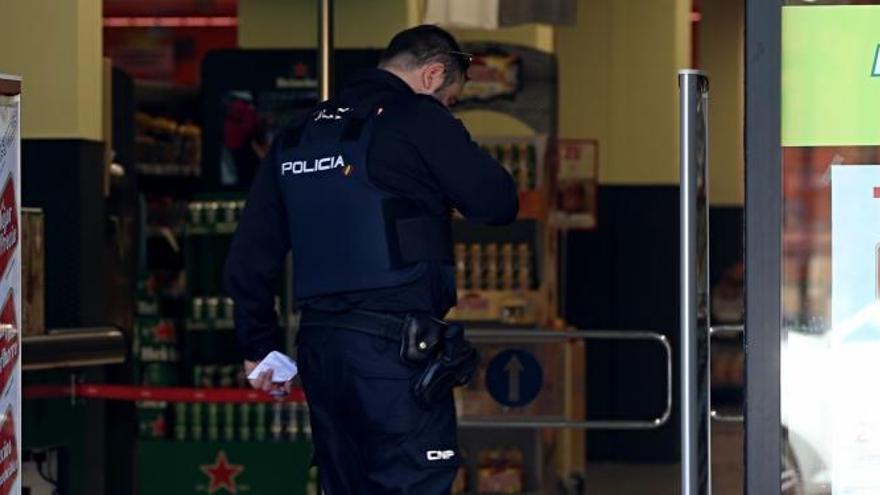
(370, 436)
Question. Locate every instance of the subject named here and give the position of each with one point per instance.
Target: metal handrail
(714, 414)
(528, 335)
(71, 348)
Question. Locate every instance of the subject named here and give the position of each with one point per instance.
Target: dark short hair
(420, 45)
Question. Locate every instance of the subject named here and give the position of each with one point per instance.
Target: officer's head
(429, 59)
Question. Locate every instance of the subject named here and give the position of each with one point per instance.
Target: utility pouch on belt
(451, 360)
(420, 338)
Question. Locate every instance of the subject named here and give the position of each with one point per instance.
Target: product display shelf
(507, 279)
(206, 446)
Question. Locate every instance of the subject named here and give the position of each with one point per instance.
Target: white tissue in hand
(283, 368)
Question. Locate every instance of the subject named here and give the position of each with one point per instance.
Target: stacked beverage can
(180, 421)
(524, 253)
(245, 423)
(476, 267)
(461, 266)
(507, 267)
(260, 432)
(492, 279)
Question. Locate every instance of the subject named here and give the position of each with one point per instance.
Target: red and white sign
(9, 465)
(8, 224)
(7, 312)
(10, 289)
(9, 346)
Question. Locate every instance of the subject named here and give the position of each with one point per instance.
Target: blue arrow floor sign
(514, 378)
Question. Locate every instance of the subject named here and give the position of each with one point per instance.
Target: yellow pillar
(294, 23)
(56, 48)
(618, 84)
(721, 55)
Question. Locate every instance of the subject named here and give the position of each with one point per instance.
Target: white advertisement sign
(10, 296)
(855, 338)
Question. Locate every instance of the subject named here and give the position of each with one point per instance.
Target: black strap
(381, 325)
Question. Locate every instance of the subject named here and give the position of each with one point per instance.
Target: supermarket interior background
(141, 124)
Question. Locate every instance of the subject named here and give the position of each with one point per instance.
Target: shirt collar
(383, 78)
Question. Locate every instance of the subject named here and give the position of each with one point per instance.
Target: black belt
(381, 325)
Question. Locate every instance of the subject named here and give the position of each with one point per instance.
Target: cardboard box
(33, 272)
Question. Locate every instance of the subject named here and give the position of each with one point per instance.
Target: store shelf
(203, 325)
(218, 228)
(168, 170)
(72, 348)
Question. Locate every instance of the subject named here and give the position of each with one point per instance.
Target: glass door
(813, 247)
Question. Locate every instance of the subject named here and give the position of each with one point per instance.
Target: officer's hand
(264, 382)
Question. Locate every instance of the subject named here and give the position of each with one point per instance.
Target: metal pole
(325, 46)
(694, 371)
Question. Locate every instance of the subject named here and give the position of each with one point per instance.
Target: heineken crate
(255, 468)
(153, 335)
(152, 422)
(155, 352)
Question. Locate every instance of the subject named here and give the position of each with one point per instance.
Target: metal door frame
(763, 246)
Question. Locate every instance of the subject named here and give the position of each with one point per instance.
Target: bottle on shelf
(212, 210)
(213, 432)
(461, 280)
(230, 212)
(245, 421)
(476, 267)
(293, 425)
(312, 484)
(524, 266)
(306, 423)
(532, 165)
(196, 213)
(180, 410)
(501, 156)
(228, 308)
(228, 421)
(277, 428)
(198, 309)
(212, 306)
(514, 165)
(196, 421)
(492, 261)
(260, 423)
(507, 266)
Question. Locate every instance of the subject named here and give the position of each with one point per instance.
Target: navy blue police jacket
(418, 148)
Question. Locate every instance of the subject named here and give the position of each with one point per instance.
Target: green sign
(223, 468)
(831, 75)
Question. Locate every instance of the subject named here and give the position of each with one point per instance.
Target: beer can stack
(213, 359)
(209, 229)
(520, 159)
(156, 364)
(211, 421)
(494, 266)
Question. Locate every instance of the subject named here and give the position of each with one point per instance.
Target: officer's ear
(432, 77)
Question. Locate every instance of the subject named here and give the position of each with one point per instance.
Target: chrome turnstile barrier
(696, 478)
(507, 336)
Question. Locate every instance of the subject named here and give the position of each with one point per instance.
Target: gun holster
(448, 359)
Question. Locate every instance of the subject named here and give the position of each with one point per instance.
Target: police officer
(361, 193)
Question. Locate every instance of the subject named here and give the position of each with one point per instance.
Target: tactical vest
(347, 234)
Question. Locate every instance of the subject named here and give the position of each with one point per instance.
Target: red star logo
(158, 427)
(222, 474)
(301, 70)
(164, 332)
